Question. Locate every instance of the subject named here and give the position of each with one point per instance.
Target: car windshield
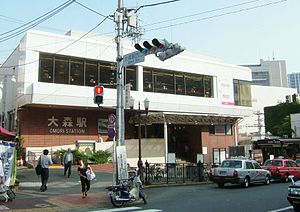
(232, 164)
(273, 163)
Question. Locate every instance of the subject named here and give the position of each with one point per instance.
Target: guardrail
(160, 173)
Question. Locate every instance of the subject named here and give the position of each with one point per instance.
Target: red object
(6, 135)
(98, 89)
(282, 168)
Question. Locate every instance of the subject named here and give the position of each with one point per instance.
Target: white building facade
(195, 101)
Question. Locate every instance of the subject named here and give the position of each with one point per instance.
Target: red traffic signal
(98, 89)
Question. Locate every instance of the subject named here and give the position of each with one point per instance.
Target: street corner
(27, 204)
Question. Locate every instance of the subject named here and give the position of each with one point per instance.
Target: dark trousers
(85, 184)
(44, 178)
(68, 167)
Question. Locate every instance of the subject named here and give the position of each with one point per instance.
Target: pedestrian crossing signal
(98, 94)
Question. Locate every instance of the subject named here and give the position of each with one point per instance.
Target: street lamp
(139, 111)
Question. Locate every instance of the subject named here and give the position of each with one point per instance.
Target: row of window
(76, 71)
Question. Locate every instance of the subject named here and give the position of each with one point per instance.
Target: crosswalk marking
(282, 209)
(133, 209)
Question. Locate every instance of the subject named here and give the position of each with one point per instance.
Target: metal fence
(160, 173)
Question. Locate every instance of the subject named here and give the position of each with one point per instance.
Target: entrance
(184, 141)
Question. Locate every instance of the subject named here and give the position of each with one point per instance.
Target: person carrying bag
(90, 175)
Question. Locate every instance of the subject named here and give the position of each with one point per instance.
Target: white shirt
(1, 169)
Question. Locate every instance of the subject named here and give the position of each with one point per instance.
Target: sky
(239, 32)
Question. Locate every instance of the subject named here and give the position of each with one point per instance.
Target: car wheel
(246, 182)
(296, 207)
(267, 180)
(221, 185)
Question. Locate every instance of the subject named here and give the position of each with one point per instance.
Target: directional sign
(133, 58)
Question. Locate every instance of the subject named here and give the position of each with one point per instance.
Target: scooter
(119, 194)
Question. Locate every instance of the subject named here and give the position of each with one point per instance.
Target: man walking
(68, 160)
(45, 161)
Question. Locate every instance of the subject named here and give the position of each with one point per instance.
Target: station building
(196, 101)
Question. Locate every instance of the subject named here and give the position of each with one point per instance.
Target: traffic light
(172, 50)
(98, 94)
(161, 48)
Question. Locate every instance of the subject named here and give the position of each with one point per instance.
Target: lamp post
(140, 112)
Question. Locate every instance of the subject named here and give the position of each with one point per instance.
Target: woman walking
(85, 183)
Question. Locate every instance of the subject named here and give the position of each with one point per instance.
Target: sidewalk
(63, 194)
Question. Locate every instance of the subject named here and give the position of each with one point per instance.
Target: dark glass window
(130, 73)
(76, 72)
(46, 68)
(208, 86)
(91, 73)
(242, 93)
(163, 81)
(108, 74)
(179, 83)
(61, 70)
(148, 82)
(194, 85)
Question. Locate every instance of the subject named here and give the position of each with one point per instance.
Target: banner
(7, 150)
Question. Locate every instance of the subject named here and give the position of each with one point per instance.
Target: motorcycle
(119, 194)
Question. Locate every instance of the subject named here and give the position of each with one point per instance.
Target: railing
(160, 173)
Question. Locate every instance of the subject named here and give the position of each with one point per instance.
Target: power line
(19, 30)
(218, 15)
(86, 7)
(201, 13)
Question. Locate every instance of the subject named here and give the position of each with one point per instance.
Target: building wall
(215, 141)
(36, 132)
(262, 96)
(294, 81)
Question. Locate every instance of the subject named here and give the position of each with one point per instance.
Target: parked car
(294, 194)
(281, 169)
(240, 171)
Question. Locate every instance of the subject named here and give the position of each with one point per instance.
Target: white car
(240, 171)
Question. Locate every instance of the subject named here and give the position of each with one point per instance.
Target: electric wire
(18, 30)
(218, 15)
(86, 7)
(204, 12)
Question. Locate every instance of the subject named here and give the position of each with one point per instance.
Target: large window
(242, 93)
(61, 70)
(108, 74)
(46, 68)
(163, 81)
(148, 81)
(91, 73)
(130, 76)
(76, 72)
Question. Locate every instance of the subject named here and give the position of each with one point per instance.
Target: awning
(6, 135)
(276, 141)
(183, 118)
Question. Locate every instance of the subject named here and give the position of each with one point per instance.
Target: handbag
(90, 175)
(38, 168)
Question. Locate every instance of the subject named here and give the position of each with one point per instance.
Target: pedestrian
(85, 183)
(68, 160)
(45, 161)
(1, 173)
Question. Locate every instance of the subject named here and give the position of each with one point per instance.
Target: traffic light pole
(120, 128)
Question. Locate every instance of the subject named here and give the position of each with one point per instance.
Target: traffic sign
(133, 58)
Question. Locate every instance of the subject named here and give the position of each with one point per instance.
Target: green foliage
(97, 157)
(19, 148)
(277, 118)
(100, 156)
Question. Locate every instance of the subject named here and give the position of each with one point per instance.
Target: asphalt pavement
(63, 194)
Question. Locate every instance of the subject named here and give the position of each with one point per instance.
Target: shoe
(83, 197)
(85, 194)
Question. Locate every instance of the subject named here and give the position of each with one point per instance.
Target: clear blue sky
(238, 37)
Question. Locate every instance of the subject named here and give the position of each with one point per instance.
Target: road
(209, 197)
